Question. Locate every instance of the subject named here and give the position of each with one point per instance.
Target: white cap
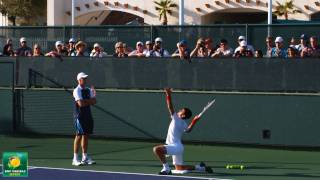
(243, 43)
(158, 39)
(139, 42)
(22, 39)
(96, 45)
(72, 40)
(241, 38)
(279, 39)
(59, 43)
(148, 42)
(81, 75)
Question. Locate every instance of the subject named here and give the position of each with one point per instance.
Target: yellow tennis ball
(241, 167)
(15, 162)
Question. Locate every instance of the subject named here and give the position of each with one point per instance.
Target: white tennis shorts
(176, 151)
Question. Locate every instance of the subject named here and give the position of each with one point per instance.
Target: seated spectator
(9, 50)
(313, 50)
(5, 47)
(24, 50)
(182, 52)
(97, 51)
(158, 51)
(71, 46)
(292, 52)
(199, 50)
(58, 51)
(258, 54)
(127, 49)
(224, 50)
(243, 51)
(303, 43)
(138, 52)
(293, 42)
(149, 48)
(270, 45)
(279, 51)
(209, 46)
(249, 47)
(37, 51)
(80, 49)
(119, 50)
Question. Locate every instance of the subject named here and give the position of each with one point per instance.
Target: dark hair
(188, 113)
(224, 41)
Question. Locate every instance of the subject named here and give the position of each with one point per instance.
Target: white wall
(57, 10)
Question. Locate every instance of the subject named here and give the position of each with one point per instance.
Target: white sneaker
(76, 162)
(88, 161)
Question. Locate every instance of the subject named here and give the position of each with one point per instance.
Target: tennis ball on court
(242, 167)
(227, 166)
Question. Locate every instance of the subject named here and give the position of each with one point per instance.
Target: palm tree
(286, 9)
(164, 7)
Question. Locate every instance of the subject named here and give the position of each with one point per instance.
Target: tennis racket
(210, 103)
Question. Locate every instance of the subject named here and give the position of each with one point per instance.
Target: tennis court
(51, 157)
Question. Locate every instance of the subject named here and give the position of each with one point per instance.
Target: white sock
(166, 167)
(84, 156)
(199, 168)
(75, 156)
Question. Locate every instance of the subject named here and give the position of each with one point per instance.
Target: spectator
(224, 50)
(292, 52)
(313, 50)
(158, 51)
(149, 48)
(80, 49)
(208, 45)
(293, 42)
(249, 47)
(37, 51)
(258, 54)
(71, 46)
(119, 50)
(199, 50)
(58, 51)
(270, 45)
(97, 51)
(244, 51)
(138, 52)
(24, 50)
(10, 51)
(5, 48)
(279, 50)
(127, 49)
(303, 43)
(182, 52)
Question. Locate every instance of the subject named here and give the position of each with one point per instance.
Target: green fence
(267, 119)
(107, 36)
(44, 104)
(266, 75)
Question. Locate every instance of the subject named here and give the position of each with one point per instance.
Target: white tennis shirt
(176, 129)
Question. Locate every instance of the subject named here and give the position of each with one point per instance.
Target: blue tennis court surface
(39, 173)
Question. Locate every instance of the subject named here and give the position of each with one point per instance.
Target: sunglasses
(24, 42)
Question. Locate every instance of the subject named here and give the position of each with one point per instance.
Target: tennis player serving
(174, 146)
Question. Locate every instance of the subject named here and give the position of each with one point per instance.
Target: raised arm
(168, 100)
(193, 122)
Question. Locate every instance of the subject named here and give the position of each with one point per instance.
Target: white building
(98, 12)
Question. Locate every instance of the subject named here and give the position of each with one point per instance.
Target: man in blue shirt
(84, 98)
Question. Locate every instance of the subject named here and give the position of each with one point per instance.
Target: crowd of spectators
(204, 47)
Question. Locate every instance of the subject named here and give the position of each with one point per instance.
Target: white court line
(113, 172)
